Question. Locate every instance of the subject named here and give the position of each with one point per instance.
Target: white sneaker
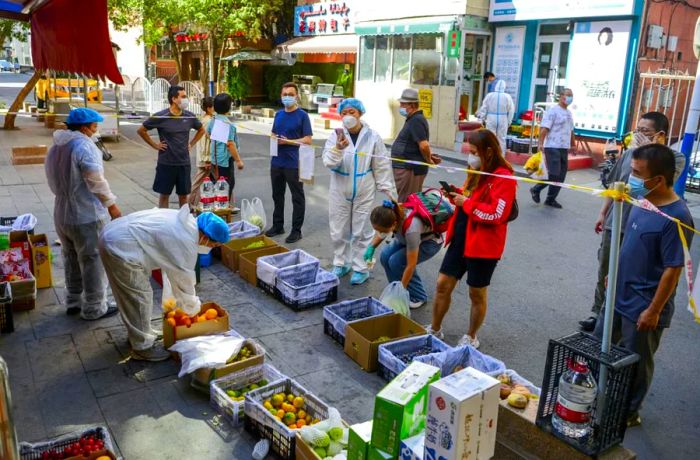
(438, 334)
(468, 340)
(414, 305)
(261, 449)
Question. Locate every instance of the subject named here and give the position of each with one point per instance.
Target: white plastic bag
(396, 297)
(206, 351)
(253, 212)
(25, 222)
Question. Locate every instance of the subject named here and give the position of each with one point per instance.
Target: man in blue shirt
(292, 127)
(651, 261)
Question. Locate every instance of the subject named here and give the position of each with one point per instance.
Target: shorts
(173, 176)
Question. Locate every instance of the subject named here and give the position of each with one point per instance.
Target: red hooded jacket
(487, 210)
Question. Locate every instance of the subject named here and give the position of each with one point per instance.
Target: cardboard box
(23, 294)
(361, 337)
(213, 326)
(41, 260)
(231, 251)
(413, 448)
(358, 441)
(207, 374)
(377, 454)
(401, 406)
(462, 416)
(247, 264)
(21, 240)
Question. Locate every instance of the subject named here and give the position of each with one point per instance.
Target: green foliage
(10, 29)
(238, 81)
(274, 76)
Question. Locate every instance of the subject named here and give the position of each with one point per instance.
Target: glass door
(549, 73)
(470, 92)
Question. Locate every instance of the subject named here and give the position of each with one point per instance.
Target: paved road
(10, 84)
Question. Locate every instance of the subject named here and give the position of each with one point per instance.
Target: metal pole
(691, 128)
(610, 292)
(211, 65)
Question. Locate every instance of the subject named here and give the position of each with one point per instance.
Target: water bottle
(221, 193)
(577, 393)
(206, 195)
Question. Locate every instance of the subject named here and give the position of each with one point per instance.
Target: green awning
(425, 25)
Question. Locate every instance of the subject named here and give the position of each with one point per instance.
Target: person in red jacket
(477, 233)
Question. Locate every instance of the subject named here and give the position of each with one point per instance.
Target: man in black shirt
(412, 143)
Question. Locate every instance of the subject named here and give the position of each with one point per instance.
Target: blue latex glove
(369, 253)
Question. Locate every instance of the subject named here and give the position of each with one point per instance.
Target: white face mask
(183, 104)
(474, 161)
(349, 121)
(202, 249)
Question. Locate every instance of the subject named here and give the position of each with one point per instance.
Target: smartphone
(340, 134)
(447, 187)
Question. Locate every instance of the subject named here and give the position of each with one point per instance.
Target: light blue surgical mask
(403, 112)
(637, 186)
(568, 99)
(289, 101)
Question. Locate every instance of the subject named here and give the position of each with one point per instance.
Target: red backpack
(431, 207)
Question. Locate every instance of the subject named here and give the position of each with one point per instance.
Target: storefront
(589, 46)
(323, 51)
(436, 48)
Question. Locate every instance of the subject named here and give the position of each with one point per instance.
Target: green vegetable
(256, 244)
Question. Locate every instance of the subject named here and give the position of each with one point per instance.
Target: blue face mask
(568, 99)
(637, 187)
(289, 101)
(403, 112)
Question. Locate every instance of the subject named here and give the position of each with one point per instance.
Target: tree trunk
(14, 108)
(176, 54)
(218, 67)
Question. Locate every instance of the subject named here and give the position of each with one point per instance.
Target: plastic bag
(542, 173)
(253, 212)
(395, 296)
(25, 222)
(455, 359)
(206, 351)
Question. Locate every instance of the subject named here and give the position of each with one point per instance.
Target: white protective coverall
(134, 245)
(498, 111)
(76, 177)
(354, 179)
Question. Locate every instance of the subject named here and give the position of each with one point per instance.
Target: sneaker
(154, 354)
(588, 325)
(553, 204)
(359, 278)
(274, 231)
(340, 271)
(417, 304)
(634, 420)
(468, 340)
(535, 195)
(293, 237)
(261, 449)
(438, 334)
(111, 311)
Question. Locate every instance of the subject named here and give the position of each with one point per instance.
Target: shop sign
(425, 102)
(323, 19)
(508, 58)
(524, 10)
(596, 73)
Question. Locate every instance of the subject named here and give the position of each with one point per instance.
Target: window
(382, 59)
(402, 58)
(164, 50)
(427, 57)
(366, 58)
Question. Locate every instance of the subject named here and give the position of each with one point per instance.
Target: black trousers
(557, 166)
(282, 178)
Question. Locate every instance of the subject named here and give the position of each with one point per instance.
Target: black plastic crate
(609, 426)
(7, 323)
(322, 299)
(268, 288)
(385, 373)
(337, 316)
(35, 451)
(8, 221)
(329, 330)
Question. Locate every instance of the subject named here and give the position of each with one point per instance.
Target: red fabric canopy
(73, 36)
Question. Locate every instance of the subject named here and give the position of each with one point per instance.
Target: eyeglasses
(646, 131)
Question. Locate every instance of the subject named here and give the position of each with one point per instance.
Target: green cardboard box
(400, 408)
(358, 441)
(376, 454)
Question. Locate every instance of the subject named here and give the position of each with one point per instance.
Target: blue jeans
(393, 259)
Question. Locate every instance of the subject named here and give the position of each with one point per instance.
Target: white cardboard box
(413, 448)
(462, 416)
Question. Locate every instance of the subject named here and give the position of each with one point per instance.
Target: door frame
(486, 49)
(557, 40)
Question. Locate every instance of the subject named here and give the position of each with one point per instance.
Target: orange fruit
(211, 314)
(201, 319)
(292, 427)
(171, 322)
(301, 414)
(301, 423)
(171, 314)
(280, 413)
(187, 322)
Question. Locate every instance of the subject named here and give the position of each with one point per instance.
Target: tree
(10, 29)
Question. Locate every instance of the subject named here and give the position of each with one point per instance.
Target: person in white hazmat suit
(497, 110)
(359, 165)
(169, 239)
(83, 204)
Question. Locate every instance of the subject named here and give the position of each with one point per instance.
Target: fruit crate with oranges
(227, 394)
(293, 405)
(92, 444)
(212, 319)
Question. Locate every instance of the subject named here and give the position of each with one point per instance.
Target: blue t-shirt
(292, 125)
(220, 155)
(651, 244)
(174, 130)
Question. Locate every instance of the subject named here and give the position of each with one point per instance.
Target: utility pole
(691, 126)
(211, 65)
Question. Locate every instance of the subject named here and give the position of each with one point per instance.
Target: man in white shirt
(556, 142)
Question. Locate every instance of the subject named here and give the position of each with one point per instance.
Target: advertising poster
(521, 10)
(508, 58)
(596, 73)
